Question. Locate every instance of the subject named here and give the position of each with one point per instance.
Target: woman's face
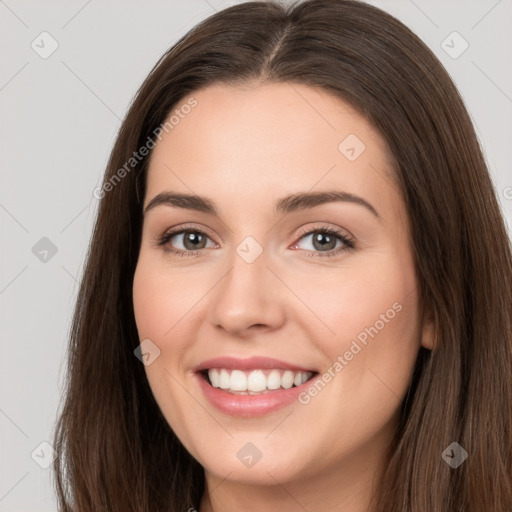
(256, 276)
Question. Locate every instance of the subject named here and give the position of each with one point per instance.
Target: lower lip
(250, 405)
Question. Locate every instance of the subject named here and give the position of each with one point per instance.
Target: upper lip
(251, 363)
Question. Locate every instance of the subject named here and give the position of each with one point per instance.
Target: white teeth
(274, 380)
(287, 379)
(238, 381)
(223, 379)
(215, 379)
(256, 381)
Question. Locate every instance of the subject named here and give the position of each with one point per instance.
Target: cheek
(150, 302)
(350, 298)
(158, 308)
(369, 316)
(370, 356)
(161, 299)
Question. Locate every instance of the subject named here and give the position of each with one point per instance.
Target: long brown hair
(116, 451)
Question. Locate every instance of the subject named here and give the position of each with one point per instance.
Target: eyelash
(348, 242)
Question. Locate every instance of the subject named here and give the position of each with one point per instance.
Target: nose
(248, 299)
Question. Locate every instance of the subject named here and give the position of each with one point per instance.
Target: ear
(427, 327)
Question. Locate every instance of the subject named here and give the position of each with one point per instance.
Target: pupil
(193, 238)
(325, 244)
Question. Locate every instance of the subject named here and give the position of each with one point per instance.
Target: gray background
(58, 120)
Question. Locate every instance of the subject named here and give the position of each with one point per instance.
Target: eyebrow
(287, 204)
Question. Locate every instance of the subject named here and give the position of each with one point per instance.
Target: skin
(244, 148)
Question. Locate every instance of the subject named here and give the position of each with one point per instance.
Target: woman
(297, 294)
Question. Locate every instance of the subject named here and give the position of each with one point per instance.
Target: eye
(324, 241)
(191, 239)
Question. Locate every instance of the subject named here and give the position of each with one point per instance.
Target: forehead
(249, 144)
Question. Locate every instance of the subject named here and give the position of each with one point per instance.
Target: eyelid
(324, 227)
(186, 227)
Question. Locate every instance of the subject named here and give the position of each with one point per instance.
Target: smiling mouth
(256, 381)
